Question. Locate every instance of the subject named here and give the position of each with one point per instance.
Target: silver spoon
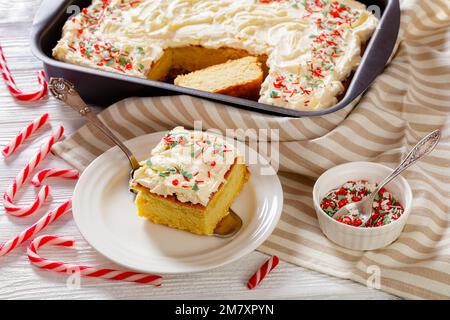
(64, 91)
(364, 207)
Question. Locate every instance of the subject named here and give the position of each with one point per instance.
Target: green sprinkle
(274, 94)
(140, 50)
(167, 172)
(123, 61)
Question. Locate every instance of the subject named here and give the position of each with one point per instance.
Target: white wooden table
(20, 280)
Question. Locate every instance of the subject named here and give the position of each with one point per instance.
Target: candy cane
(47, 219)
(265, 269)
(63, 267)
(14, 90)
(25, 134)
(11, 192)
(48, 173)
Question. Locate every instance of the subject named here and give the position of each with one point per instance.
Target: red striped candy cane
(47, 219)
(25, 134)
(11, 192)
(39, 178)
(265, 269)
(14, 90)
(86, 271)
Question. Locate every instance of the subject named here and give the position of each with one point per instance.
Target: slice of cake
(190, 181)
(183, 60)
(239, 78)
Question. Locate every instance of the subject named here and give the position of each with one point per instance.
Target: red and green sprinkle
(103, 53)
(386, 208)
(197, 143)
(327, 46)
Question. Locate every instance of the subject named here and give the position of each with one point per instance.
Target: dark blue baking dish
(104, 88)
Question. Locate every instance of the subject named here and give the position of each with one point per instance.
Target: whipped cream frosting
(312, 45)
(190, 165)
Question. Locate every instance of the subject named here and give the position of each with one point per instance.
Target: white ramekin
(353, 237)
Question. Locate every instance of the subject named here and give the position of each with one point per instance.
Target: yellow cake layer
(238, 78)
(195, 218)
(182, 60)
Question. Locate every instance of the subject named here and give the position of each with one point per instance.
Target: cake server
(64, 91)
(364, 207)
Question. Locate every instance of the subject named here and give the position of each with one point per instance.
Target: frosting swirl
(190, 165)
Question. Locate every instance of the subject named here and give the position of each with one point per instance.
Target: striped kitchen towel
(410, 99)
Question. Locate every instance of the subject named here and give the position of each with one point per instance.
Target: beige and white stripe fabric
(411, 99)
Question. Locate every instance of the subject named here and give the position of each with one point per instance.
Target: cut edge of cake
(239, 78)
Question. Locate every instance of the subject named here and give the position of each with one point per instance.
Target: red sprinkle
(386, 208)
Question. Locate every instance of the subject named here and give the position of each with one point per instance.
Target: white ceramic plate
(105, 213)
